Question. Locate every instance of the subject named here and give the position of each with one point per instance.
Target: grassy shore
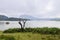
(31, 36)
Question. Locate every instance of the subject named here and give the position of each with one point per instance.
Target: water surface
(14, 24)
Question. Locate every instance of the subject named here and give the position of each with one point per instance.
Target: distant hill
(26, 17)
(3, 17)
(55, 19)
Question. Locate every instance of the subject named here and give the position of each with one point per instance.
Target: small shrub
(12, 30)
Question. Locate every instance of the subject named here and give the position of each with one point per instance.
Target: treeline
(44, 30)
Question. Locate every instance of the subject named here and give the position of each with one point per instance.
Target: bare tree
(22, 24)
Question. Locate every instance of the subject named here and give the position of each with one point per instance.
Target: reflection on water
(14, 24)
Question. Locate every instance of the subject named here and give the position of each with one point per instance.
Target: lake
(32, 24)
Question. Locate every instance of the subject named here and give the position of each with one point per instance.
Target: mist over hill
(38, 19)
(29, 17)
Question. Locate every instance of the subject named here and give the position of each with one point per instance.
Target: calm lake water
(14, 24)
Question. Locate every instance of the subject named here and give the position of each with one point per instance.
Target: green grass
(31, 36)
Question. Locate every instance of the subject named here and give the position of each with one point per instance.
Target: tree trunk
(24, 23)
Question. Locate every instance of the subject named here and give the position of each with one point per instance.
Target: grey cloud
(30, 7)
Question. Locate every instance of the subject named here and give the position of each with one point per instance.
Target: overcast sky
(37, 8)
